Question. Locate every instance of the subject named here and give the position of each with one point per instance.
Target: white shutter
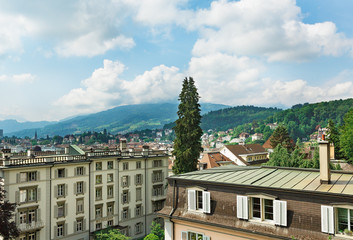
(168, 230)
(184, 235)
(206, 238)
(327, 219)
(242, 207)
(191, 200)
(206, 202)
(280, 212)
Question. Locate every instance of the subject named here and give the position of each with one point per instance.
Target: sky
(64, 58)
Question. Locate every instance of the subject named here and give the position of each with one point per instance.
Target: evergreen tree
(334, 137)
(281, 136)
(187, 143)
(8, 228)
(346, 139)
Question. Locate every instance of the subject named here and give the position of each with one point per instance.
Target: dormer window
(199, 200)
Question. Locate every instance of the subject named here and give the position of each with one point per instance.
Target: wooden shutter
(66, 209)
(280, 212)
(191, 200)
(168, 230)
(121, 180)
(66, 190)
(84, 170)
(56, 191)
(65, 229)
(75, 188)
(136, 179)
(38, 175)
(75, 171)
(128, 180)
(17, 177)
(38, 215)
(327, 219)
(55, 231)
(84, 225)
(56, 211)
(38, 194)
(206, 238)
(184, 235)
(242, 207)
(56, 173)
(17, 197)
(66, 175)
(84, 187)
(75, 226)
(206, 202)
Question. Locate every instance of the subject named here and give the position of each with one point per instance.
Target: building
(214, 159)
(257, 136)
(260, 203)
(244, 155)
(72, 194)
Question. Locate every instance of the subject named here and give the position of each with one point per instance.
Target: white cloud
(105, 89)
(18, 78)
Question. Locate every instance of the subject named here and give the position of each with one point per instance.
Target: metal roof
(275, 177)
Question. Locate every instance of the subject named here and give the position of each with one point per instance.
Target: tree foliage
(8, 228)
(110, 234)
(187, 144)
(334, 137)
(346, 139)
(157, 232)
(281, 137)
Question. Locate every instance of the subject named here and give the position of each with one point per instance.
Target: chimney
(324, 152)
(67, 150)
(122, 144)
(145, 149)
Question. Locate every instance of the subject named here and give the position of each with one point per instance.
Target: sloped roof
(213, 158)
(245, 149)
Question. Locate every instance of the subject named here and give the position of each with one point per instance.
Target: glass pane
(351, 219)
(342, 219)
(192, 236)
(199, 237)
(268, 209)
(256, 207)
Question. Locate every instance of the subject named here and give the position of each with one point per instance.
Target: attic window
(199, 201)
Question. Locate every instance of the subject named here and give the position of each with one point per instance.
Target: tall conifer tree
(187, 143)
(8, 228)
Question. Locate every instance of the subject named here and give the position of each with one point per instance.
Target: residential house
(214, 159)
(233, 203)
(257, 136)
(244, 155)
(243, 136)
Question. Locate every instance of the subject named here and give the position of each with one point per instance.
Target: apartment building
(233, 202)
(73, 194)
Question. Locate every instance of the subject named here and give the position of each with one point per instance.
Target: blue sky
(64, 58)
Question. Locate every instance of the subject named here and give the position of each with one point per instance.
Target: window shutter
(17, 218)
(128, 181)
(162, 176)
(66, 210)
(56, 173)
(38, 194)
(84, 187)
(75, 171)
(141, 179)
(75, 226)
(17, 197)
(191, 200)
(128, 196)
(184, 235)
(168, 230)
(65, 229)
(75, 188)
(38, 176)
(56, 191)
(56, 211)
(17, 177)
(327, 219)
(66, 190)
(84, 225)
(121, 180)
(38, 215)
(280, 212)
(242, 207)
(206, 238)
(84, 171)
(128, 214)
(55, 231)
(136, 179)
(206, 202)
(122, 198)
(66, 175)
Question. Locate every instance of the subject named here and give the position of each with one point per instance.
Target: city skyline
(60, 59)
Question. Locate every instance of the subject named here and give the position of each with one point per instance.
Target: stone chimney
(67, 150)
(324, 152)
(145, 150)
(122, 144)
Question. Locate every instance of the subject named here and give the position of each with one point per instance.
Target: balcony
(26, 227)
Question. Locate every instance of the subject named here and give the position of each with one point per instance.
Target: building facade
(72, 195)
(234, 202)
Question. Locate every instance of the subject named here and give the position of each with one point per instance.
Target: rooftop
(275, 178)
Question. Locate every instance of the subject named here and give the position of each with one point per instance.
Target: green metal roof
(274, 177)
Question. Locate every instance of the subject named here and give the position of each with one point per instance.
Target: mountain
(119, 119)
(12, 125)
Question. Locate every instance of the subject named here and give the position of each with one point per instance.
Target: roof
(275, 178)
(267, 144)
(246, 149)
(213, 159)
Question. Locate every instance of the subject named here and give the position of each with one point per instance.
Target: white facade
(72, 196)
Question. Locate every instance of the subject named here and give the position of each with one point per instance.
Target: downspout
(118, 193)
(145, 208)
(89, 197)
(50, 200)
(174, 204)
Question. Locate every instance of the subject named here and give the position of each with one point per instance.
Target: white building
(72, 195)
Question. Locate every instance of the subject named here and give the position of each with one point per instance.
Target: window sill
(344, 236)
(265, 222)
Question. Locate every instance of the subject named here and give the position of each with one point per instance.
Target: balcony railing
(25, 227)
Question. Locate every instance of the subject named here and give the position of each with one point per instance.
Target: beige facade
(70, 196)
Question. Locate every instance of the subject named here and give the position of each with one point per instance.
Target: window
(262, 209)
(61, 210)
(28, 216)
(138, 179)
(79, 171)
(138, 228)
(31, 236)
(125, 197)
(125, 181)
(99, 193)
(79, 206)
(98, 226)
(60, 230)
(138, 194)
(98, 166)
(110, 223)
(79, 187)
(157, 176)
(138, 165)
(98, 179)
(32, 194)
(193, 236)
(110, 209)
(157, 163)
(138, 211)
(158, 191)
(61, 190)
(99, 211)
(110, 191)
(110, 165)
(79, 225)
(157, 205)
(28, 176)
(125, 166)
(110, 177)
(27, 195)
(61, 172)
(344, 219)
(32, 176)
(125, 214)
(199, 201)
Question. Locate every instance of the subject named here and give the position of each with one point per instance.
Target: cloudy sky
(62, 58)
